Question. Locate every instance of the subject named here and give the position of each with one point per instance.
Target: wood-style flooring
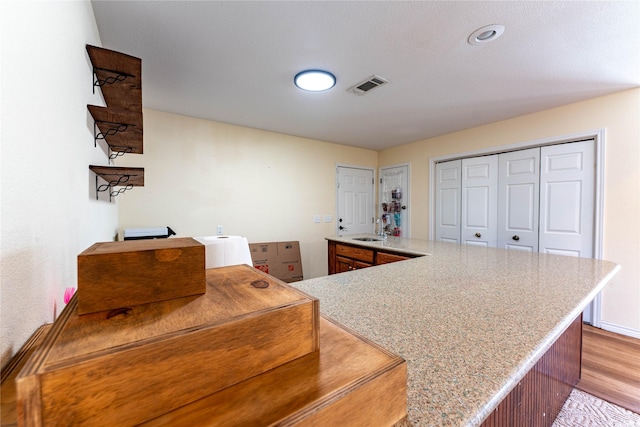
(611, 367)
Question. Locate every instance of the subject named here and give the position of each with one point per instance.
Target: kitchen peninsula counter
(471, 322)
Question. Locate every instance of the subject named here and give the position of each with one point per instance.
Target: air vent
(368, 85)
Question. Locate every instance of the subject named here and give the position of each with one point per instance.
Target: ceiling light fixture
(486, 34)
(314, 80)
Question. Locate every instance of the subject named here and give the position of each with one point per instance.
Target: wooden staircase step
(349, 382)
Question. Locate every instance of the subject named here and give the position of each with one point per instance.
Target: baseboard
(622, 330)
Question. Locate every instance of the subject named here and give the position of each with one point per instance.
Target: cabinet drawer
(385, 258)
(360, 254)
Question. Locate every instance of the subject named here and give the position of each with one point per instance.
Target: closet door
(480, 201)
(567, 191)
(518, 195)
(447, 215)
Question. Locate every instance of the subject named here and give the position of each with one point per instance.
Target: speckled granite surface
(469, 321)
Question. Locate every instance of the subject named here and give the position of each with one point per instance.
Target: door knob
(342, 228)
(404, 207)
(478, 235)
(516, 237)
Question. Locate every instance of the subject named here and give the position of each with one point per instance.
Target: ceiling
(234, 61)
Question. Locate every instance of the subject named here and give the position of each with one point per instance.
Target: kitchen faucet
(381, 232)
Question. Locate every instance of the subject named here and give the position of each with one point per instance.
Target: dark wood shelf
(119, 77)
(120, 176)
(121, 129)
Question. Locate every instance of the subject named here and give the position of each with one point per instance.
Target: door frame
(406, 194)
(337, 199)
(597, 135)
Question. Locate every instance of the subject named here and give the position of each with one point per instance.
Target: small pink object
(68, 293)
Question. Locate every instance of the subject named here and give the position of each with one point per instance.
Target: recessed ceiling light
(486, 34)
(315, 80)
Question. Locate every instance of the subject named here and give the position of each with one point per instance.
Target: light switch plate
(328, 218)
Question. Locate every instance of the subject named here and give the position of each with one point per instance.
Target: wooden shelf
(119, 77)
(119, 176)
(121, 129)
(125, 178)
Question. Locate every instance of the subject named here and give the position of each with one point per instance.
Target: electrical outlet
(219, 230)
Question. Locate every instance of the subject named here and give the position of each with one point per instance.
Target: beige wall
(262, 185)
(619, 115)
(49, 214)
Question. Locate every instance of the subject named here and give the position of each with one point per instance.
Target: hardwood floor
(611, 367)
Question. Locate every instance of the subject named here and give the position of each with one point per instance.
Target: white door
(518, 195)
(393, 211)
(355, 200)
(480, 201)
(567, 191)
(448, 187)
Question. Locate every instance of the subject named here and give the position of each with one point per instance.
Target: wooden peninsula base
(539, 397)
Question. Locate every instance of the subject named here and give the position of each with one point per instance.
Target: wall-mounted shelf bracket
(116, 127)
(109, 77)
(110, 187)
(116, 152)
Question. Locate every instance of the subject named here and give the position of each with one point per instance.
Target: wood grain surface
(126, 73)
(538, 398)
(611, 367)
(113, 275)
(125, 369)
(350, 381)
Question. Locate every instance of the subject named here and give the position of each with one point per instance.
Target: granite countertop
(469, 321)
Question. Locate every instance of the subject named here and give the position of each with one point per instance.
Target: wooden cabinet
(385, 258)
(352, 258)
(344, 257)
(346, 264)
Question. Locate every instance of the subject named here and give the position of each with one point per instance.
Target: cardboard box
(279, 259)
(114, 275)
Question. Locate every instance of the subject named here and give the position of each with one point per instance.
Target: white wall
(619, 115)
(47, 212)
(261, 185)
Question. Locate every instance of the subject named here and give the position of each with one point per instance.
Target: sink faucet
(381, 232)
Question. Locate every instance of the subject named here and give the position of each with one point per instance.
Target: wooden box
(116, 275)
(127, 367)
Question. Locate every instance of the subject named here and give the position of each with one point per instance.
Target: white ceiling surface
(234, 61)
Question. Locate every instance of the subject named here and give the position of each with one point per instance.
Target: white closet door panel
(520, 208)
(447, 215)
(567, 192)
(479, 201)
(518, 199)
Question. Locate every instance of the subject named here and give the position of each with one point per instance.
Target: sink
(367, 239)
